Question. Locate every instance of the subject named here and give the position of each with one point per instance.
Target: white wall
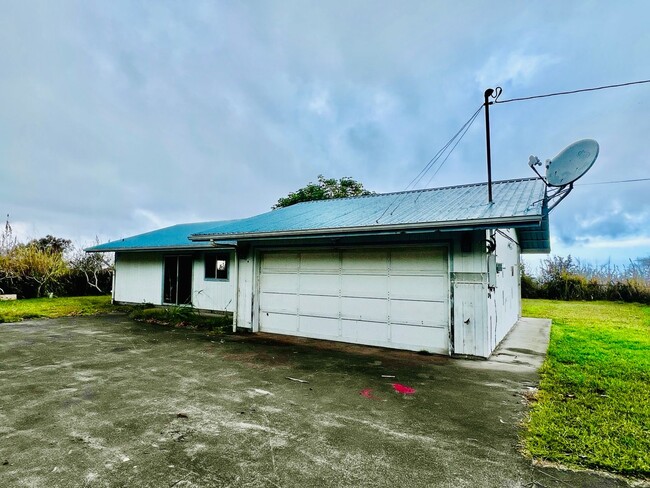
(483, 316)
(245, 297)
(213, 294)
(469, 287)
(138, 277)
(507, 296)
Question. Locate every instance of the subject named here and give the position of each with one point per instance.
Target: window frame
(216, 256)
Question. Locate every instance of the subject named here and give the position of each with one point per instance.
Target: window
(216, 266)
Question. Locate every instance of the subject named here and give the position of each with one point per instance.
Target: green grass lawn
(17, 310)
(593, 407)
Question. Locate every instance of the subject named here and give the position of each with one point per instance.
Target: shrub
(568, 279)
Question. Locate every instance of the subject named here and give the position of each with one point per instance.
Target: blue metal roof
(516, 203)
(174, 237)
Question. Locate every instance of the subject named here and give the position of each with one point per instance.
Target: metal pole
(488, 93)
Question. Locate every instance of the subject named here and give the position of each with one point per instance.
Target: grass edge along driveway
(18, 310)
(593, 405)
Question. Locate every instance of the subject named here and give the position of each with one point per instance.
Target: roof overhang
(192, 246)
(448, 226)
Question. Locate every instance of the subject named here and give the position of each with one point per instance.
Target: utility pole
(488, 93)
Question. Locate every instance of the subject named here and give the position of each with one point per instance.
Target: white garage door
(393, 298)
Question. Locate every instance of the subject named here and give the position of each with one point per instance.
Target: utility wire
(415, 181)
(570, 92)
(469, 124)
(612, 182)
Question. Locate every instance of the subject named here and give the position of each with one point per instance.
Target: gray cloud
(121, 116)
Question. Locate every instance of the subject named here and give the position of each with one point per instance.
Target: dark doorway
(178, 280)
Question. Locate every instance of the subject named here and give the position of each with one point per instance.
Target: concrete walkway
(518, 359)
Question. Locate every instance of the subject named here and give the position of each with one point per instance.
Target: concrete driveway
(104, 401)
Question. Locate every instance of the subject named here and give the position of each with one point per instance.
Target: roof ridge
(421, 190)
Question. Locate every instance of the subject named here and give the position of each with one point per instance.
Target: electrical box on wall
(492, 270)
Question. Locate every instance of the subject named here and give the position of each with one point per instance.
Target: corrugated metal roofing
(513, 200)
(174, 237)
(515, 203)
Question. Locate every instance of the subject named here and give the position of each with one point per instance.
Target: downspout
(236, 310)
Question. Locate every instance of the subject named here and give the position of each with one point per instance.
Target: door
(177, 280)
(396, 298)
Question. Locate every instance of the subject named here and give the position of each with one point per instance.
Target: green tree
(325, 189)
(52, 244)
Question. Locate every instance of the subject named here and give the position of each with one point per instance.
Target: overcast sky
(119, 117)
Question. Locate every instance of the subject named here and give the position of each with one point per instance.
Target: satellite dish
(573, 162)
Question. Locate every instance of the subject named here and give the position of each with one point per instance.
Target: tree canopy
(325, 189)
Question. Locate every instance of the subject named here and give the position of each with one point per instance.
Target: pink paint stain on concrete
(405, 390)
(366, 393)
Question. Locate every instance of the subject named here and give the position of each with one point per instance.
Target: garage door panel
(278, 302)
(279, 283)
(320, 327)
(427, 314)
(364, 286)
(418, 261)
(368, 309)
(281, 323)
(362, 262)
(320, 261)
(419, 287)
(364, 332)
(412, 337)
(319, 306)
(323, 284)
(281, 262)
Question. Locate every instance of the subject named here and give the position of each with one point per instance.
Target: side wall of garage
(507, 296)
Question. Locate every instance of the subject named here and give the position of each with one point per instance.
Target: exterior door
(177, 280)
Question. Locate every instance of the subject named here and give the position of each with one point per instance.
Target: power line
(570, 92)
(469, 124)
(613, 182)
(415, 181)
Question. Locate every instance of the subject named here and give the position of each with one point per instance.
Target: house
(435, 270)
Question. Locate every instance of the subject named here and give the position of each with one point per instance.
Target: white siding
(469, 275)
(245, 299)
(483, 316)
(507, 296)
(218, 295)
(138, 277)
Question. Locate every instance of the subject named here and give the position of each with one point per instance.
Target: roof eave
(152, 248)
(450, 225)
